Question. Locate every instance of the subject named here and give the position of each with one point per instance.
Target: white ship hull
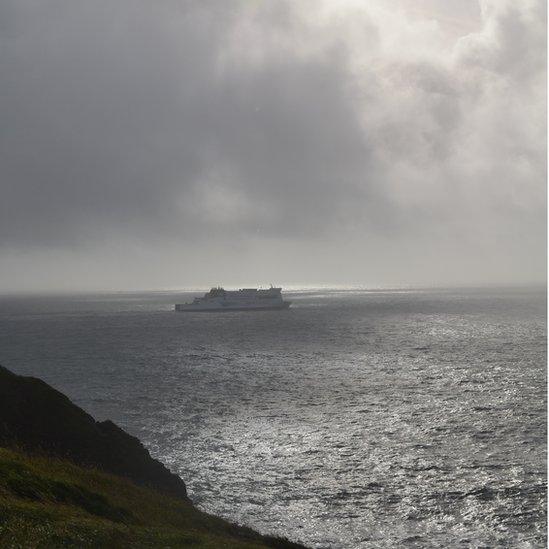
(251, 299)
(188, 308)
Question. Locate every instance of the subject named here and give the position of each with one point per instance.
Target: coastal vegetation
(49, 502)
(54, 495)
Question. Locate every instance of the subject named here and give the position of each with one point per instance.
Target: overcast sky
(181, 143)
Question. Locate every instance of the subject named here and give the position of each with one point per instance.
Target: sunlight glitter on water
(355, 419)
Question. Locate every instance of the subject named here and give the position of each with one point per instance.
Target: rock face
(37, 418)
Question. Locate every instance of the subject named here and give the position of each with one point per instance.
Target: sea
(355, 419)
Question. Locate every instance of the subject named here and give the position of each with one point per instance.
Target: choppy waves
(354, 419)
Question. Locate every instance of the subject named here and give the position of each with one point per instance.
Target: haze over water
(355, 419)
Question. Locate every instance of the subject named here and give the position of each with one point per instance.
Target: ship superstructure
(246, 299)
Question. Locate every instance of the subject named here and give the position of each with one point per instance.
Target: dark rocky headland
(67, 480)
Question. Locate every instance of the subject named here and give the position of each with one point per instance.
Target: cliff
(69, 481)
(37, 418)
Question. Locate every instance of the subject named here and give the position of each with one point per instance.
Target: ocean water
(353, 420)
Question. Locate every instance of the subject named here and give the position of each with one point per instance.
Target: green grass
(49, 503)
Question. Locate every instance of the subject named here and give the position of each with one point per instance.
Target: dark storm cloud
(196, 123)
(98, 108)
(118, 119)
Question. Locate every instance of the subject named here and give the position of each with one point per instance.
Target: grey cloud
(116, 115)
(195, 123)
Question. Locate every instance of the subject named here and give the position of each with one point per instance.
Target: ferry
(246, 299)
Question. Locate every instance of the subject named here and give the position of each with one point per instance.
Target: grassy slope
(47, 502)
